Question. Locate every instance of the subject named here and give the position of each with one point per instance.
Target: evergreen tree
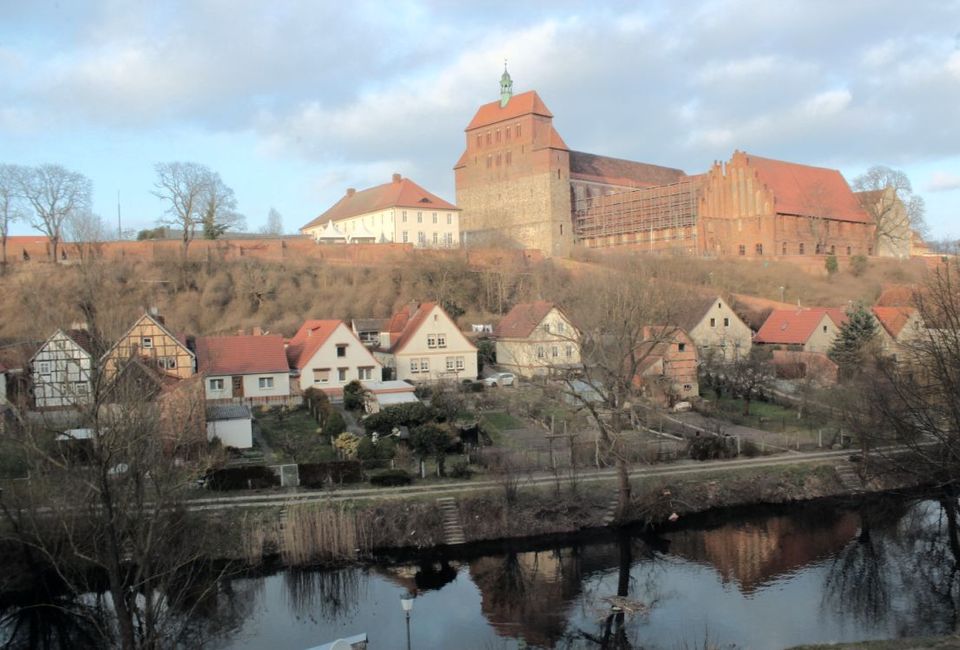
(855, 337)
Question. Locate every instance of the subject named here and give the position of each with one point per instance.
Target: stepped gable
(616, 171)
(399, 193)
(241, 355)
(808, 191)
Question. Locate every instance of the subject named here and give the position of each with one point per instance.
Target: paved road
(447, 489)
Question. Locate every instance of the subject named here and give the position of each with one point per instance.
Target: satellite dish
(340, 644)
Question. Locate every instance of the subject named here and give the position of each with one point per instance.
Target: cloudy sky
(294, 102)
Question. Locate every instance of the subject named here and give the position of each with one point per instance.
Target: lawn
(496, 422)
(769, 416)
(294, 437)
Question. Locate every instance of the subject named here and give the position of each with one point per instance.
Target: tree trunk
(746, 406)
(54, 246)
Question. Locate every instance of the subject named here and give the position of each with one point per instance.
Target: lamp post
(407, 605)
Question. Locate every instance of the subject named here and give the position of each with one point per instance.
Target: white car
(500, 379)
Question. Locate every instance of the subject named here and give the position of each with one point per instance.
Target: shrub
(391, 478)
(383, 449)
(252, 477)
(353, 396)
(831, 264)
(317, 475)
(408, 415)
(749, 449)
(461, 469)
(423, 391)
(858, 265)
(347, 444)
(334, 425)
(711, 447)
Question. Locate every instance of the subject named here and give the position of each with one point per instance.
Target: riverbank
(938, 643)
(344, 532)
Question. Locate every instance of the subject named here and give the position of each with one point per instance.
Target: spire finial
(506, 86)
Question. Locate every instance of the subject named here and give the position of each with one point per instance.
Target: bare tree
(55, 194)
(887, 196)
(183, 186)
(274, 225)
(11, 207)
(219, 208)
(87, 231)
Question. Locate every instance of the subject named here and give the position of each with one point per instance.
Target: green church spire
(506, 86)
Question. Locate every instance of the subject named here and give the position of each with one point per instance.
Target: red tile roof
(399, 193)
(405, 323)
(522, 104)
(308, 339)
(897, 295)
(523, 319)
(794, 326)
(808, 191)
(893, 319)
(241, 355)
(601, 169)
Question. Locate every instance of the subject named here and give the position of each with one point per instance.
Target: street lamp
(407, 605)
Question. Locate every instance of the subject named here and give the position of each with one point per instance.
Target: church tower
(513, 179)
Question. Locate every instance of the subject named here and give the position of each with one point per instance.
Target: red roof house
(811, 329)
(327, 355)
(252, 369)
(536, 338)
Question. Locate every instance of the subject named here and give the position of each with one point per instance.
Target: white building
(423, 344)
(400, 211)
(62, 370)
(327, 355)
(537, 338)
(231, 424)
(249, 369)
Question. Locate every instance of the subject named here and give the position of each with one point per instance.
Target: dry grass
(321, 533)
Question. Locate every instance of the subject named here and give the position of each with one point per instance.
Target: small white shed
(232, 424)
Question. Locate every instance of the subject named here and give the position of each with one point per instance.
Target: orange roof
(794, 326)
(587, 166)
(308, 339)
(241, 355)
(808, 191)
(897, 295)
(523, 319)
(522, 104)
(399, 193)
(405, 323)
(893, 319)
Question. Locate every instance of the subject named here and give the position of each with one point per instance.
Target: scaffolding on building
(649, 214)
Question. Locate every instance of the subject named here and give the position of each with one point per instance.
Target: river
(769, 579)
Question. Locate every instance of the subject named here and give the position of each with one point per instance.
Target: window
(146, 342)
(448, 238)
(681, 347)
(265, 382)
(434, 217)
(848, 251)
(742, 250)
(509, 157)
(726, 322)
(421, 238)
(436, 237)
(508, 132)
(459, 363)
(44, 367)
(341, 350)
(321, 375)
(419, 217)
(833, 249)
(404, 216)
(405, 237)
(216, 384)
(365, 373)
(869, 250)
(713, 322)
(81, 388)
(341, 374)
(554, 351)
(784, 248)
(498, 135)
(569, 351)
(449, 219)
(824, 329)
(424, 365)
(167, 363)
(498, 160)
(489, 161)
(561, 327)
(489, 141)
(518, 130)
(801, 248)
(431, 340)
(441, 340)
(540, 354)
(479, 140)
(759, 249)
(819, 249)
(450, 364)
(414, 365)
(546, 327)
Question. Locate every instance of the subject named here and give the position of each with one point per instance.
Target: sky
(293, 102)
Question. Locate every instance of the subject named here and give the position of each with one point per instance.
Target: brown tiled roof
(808, 191)
(523, 319)
(897, 295)
(405, 323)
(893, 319)
(522, 104)
(241, 355)
(690, 310)
(82, 338)
(308, 339)
(399, 193)
(601, 169)
(794, 326)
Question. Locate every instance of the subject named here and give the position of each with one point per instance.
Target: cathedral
(517, 183)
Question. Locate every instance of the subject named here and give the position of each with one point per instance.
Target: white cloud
(943, 182)
(953, 64)
(828, 103)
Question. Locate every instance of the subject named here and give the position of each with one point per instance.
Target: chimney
(397, 178)
(351, 191)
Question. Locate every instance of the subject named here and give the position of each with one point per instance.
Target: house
(667, 362)
(387, 393)
(149, 341)
(535, 338)
(327, 355)
(898, 326)
(399, 211)
(62, 370)
(715, 328)
(423, 344)
(808, 329)
(368, 330)
(248, 369)
(231, 424)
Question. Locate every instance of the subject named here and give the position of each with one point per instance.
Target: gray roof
(369, 324)
(228, 412)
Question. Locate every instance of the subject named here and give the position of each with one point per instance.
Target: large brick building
(517, 180)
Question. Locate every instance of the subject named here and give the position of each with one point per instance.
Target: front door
(238, 387)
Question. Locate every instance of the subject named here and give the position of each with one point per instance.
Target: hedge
(253, 477)
(337, 472)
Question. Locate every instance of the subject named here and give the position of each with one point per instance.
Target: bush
(831, 264)
(334, 425)
(353, 396)
(858, 265)
(382, 450)
(391, 478)
(711, 447)
(423, 391)
(461, 469)
(253, 477)
(749, 449)
(408, 415)
(318, 475)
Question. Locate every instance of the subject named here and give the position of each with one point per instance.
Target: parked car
(500, 379)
